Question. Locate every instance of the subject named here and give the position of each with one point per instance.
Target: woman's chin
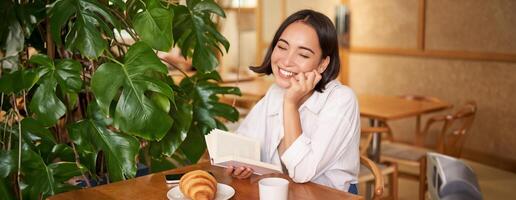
(283, 84)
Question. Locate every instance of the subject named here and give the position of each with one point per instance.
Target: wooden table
(153, 186)
(226, 77)
(379, 109)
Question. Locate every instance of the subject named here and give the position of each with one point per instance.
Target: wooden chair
(367, 173)
(418, 139)
(450, 141)
(372, 170)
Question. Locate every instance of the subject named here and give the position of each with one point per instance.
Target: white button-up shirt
(326, 152)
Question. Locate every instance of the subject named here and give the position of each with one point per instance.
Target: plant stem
(20, 138)
(7, 122)
(50, 43)
(77, 162)
(127, 25)
(111, 57)
(5, 129)
(179, 69)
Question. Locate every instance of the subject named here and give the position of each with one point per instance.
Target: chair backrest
(420, 98)
(378, 177)
(452, 134)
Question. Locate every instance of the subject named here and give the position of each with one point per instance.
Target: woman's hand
(239, 172)
(301, 85)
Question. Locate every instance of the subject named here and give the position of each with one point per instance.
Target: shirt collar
(314, 103)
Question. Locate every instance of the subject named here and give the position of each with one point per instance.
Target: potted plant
(76, 101)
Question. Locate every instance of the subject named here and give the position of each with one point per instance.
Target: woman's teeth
(286, 73)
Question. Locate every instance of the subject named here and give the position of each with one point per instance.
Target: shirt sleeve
(338, 127)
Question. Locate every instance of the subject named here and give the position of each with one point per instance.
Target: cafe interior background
(453, 50)
(456, 51)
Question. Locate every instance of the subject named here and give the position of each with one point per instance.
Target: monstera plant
(80, 103)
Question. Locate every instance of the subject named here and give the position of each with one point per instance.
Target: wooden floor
(494, 183)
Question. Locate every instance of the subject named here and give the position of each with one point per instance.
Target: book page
(229, 149)
(259, 168)
(230, 144)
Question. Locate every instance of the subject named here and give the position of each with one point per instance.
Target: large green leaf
(17, 81)
(120, 149)
(46, 180)
(46, 105)
(194, 145)
(90, 21)
(208, 6)
(68, 74)
(135, 112)
(155, 27)
(195, 32)
(8, 163)
(39, 138)
(206, 108)
(61, 151)
(177, 134)
(161, 163)
(5, 189)
(206, 101)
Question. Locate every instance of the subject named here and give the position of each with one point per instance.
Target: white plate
(223, 192)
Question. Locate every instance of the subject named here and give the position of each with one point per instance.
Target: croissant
(198, 185)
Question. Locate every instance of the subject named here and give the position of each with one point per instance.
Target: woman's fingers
(243, 173)
(229, 171)
(317, 78)
(248, 172)
(238, 171)
(294, 83)
(302, 79)
(310, 77)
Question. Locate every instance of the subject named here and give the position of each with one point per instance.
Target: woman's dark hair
(327, 39)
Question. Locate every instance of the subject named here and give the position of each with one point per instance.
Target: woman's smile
(286, 74)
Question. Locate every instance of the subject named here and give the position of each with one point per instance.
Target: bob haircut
(327, 40)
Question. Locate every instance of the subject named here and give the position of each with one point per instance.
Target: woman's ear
(324, 64)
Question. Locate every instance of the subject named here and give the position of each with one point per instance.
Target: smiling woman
(308, 122)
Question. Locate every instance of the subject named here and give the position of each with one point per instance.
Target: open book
(229, 149)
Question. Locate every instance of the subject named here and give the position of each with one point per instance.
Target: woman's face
(297, 50)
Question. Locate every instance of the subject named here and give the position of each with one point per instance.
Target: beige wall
(459, 25)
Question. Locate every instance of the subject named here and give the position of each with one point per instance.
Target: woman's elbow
(302, 177)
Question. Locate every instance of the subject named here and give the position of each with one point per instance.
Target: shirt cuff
(296, 152)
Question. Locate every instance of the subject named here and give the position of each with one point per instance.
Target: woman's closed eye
(304, 55)
(282, 47)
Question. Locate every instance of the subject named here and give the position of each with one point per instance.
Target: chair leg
(393, 182)
(422, 178)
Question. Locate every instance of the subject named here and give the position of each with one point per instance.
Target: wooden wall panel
(490, 84)
(384, 24)
(471, 25)
(272, 18)
(324, 6)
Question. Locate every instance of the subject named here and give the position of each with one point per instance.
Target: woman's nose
(288, 59)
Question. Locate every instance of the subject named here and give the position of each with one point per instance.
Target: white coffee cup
(273, 189)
